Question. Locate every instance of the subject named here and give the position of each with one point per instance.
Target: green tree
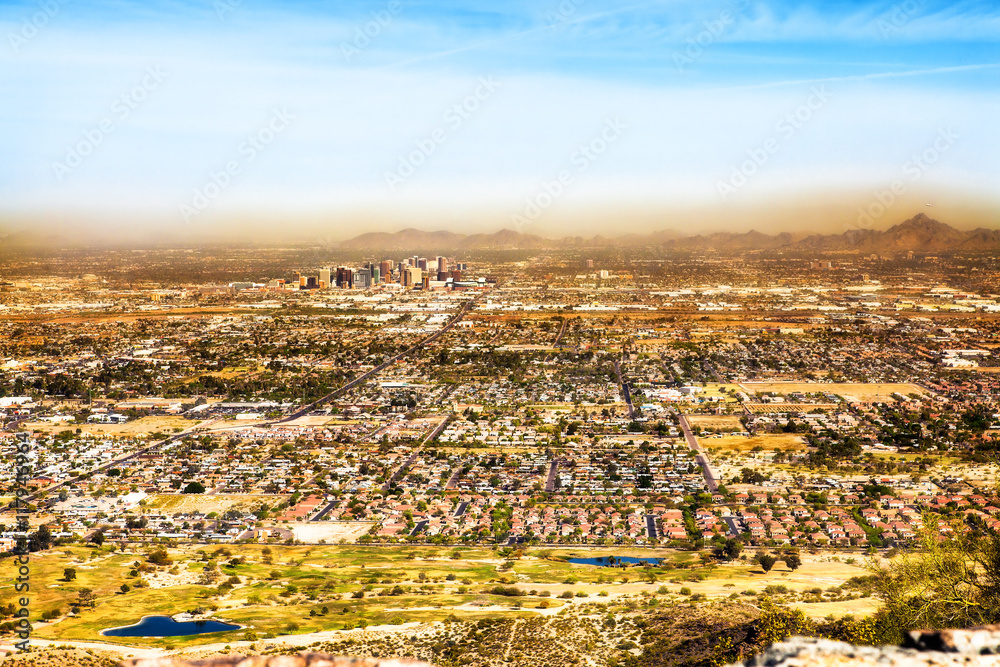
(766, 561)
(952, 582)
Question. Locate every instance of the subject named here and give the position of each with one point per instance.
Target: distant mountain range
(918, 234)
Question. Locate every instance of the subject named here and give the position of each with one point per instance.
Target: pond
(164, 626)
(616, 561)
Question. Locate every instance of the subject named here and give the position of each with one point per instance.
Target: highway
(401, 470)
(562, 331)
(626, 392)
(299, 413)
(361, 379)
(711, 480)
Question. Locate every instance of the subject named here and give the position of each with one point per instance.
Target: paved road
(734, 526)
(361, 379)
(562, 331)
(419, 527)
(115, 462)
(626, 393)
(550, 481)
(461, 509)
(711, 369)
(453, 480)
(326, 510)
(711, 479)
(651, 526)
(416, 452)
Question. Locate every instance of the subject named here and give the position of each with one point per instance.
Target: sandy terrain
(330, 531)
(850, 392)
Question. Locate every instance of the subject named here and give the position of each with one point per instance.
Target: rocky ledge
(977, 647)
(300, 660)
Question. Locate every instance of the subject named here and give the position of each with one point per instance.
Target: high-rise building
(412, 277)
(324, 277)
(345, 277)
(312, 282)
(362, 279)
(422, 263)
(442, 264)
(385, 269)
(376, 275)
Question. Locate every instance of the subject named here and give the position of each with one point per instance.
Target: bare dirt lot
(155, 424)
(330, 532)
(716, 422)
(183, 503)
(769, 442)
(849, 391)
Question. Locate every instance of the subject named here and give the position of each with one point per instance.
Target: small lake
(615, 561)
(164, 626)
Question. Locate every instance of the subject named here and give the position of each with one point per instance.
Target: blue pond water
(164, 626)
(615, 561)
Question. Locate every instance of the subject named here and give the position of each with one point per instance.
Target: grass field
(848, 391)
(284, 590)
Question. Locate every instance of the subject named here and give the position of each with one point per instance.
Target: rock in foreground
(977, 647)
(300, 660)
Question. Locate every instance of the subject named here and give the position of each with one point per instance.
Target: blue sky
(835, 99)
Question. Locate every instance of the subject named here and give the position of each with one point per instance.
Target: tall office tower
(590, 263)
(427, 282)
(324, 277)
(362, 279)
(386, 270)
(345, 277)
(376, 275)
(414, 260)
(443, 276)
(456, 275)
(422, 263)
(414, 276)
(442, 264)
(312, 282)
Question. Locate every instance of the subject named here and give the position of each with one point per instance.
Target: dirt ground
(182, 503)
(330, 531)
(769, 442)
(850, 391)
(160, 423)
(716, 422)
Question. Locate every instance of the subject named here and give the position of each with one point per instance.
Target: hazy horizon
(267, 121)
